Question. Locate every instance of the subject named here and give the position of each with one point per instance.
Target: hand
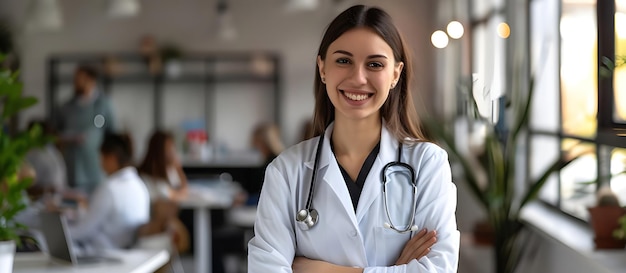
(304, 265)
(417, 247)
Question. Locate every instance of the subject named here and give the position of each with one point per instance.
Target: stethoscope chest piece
(307, 218)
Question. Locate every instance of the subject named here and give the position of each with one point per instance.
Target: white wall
(262, 25)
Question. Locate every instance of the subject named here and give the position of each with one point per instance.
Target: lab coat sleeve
(99, 209)
(438, 208)
(273, 247)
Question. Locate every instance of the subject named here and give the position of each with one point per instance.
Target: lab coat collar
(332, 175)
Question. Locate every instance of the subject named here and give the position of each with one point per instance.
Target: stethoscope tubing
(310, 222)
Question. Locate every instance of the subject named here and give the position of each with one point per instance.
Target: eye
(375, 65)
(343, 61)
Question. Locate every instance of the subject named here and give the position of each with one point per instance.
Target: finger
(419, 245)
(419, 240)
(426, 248)
(424, 253)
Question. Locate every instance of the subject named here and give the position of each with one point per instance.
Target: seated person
(164, 218)
(161, 169)
(48, 163)
(265, 139)
(119, 206)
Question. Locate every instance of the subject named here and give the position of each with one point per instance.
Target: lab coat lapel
(332, 175)
(373, 183)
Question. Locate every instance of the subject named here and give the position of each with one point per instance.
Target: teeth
(356, 97)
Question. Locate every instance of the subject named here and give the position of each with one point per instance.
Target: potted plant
(13, 149)
(171, 55)
(605, 220)
(489, 171)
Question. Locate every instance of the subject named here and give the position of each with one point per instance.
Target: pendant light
(226, 31)
(44, 15)
(301, 5)
(123, 8)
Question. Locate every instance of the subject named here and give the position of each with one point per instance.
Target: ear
(397, 70)
(320, 66)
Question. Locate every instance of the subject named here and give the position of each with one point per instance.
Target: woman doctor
(332, 203)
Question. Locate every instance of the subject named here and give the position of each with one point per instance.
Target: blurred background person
(162, 173)
(47, 162)
(82, 122)
(161, 169)
(265, 139)
(119, 206)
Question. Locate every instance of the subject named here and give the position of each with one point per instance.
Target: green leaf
(532, 193)
(608, 63)
(26, 102)
(9, 89)
(13, 149)
(447, 140)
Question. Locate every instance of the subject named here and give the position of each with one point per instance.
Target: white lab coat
(342, 237)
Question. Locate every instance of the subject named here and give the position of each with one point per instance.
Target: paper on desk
(220, 196)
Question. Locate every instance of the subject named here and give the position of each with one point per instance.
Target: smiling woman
(322, 207)
(358, 81)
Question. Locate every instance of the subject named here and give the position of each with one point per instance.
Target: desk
(203, 196)
(132, 261)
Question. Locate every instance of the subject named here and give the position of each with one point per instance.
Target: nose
(359, 75)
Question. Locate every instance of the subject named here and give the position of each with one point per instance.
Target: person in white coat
(118, 206)
(324, 206)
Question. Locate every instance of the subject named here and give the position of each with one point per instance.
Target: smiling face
(359, 70)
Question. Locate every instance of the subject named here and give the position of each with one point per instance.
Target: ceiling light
(439, 39)
(301, 5)
(225, 29)
(123, 8)
(455, 30)
(44, 15)
(504, 31)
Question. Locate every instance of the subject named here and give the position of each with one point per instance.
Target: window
(589, 105)
(579, 44)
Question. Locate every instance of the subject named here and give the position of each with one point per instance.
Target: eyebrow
(369, 57)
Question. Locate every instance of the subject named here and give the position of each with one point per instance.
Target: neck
(356, 137)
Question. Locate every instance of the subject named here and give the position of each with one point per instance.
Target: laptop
(59, 242)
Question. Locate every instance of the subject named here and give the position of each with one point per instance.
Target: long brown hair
(155, 162)
(398, 111)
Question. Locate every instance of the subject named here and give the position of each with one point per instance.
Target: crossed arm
(415, 248)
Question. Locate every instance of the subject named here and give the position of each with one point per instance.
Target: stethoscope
(309, 216)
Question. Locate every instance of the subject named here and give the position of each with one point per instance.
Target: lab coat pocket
(389, 245)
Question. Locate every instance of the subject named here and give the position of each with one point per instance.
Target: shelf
(200, 79)
(208, 75)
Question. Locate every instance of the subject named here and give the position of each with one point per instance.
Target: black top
(355, 187)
